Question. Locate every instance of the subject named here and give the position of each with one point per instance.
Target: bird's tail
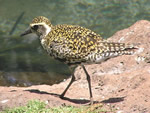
(129, 49)
(118, 48)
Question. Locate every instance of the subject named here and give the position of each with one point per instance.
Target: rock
(122, 82)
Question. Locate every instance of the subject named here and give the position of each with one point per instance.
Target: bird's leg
(89, 83)
(72, 80)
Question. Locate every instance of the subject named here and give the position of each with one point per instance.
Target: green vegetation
(37, 106)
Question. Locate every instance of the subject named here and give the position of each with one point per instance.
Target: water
(23, 61)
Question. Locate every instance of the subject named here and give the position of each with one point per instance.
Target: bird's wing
(74, 42)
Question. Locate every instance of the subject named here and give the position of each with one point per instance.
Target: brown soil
(122, 82)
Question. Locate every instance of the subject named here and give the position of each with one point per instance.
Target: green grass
(36, 106)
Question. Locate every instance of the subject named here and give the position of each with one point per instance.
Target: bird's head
(40, 26)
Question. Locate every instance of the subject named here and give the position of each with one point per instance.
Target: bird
(75, 46)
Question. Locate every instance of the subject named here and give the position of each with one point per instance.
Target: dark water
(23, 61)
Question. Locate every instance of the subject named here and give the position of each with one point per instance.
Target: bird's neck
(42, 37)
(45, 30)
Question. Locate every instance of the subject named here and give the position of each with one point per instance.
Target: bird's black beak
(28, 31)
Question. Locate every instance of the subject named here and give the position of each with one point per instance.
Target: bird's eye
(35, 27)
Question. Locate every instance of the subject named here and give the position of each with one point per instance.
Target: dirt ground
(122, 82)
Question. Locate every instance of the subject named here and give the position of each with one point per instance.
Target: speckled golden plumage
(71, 43)
(75, 45)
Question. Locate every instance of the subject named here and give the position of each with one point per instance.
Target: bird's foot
(61, 96)
(91, 101)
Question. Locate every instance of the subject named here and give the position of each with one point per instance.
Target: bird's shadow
(78, 101)
(113, 100)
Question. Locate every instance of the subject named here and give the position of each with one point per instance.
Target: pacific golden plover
(75, 45)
